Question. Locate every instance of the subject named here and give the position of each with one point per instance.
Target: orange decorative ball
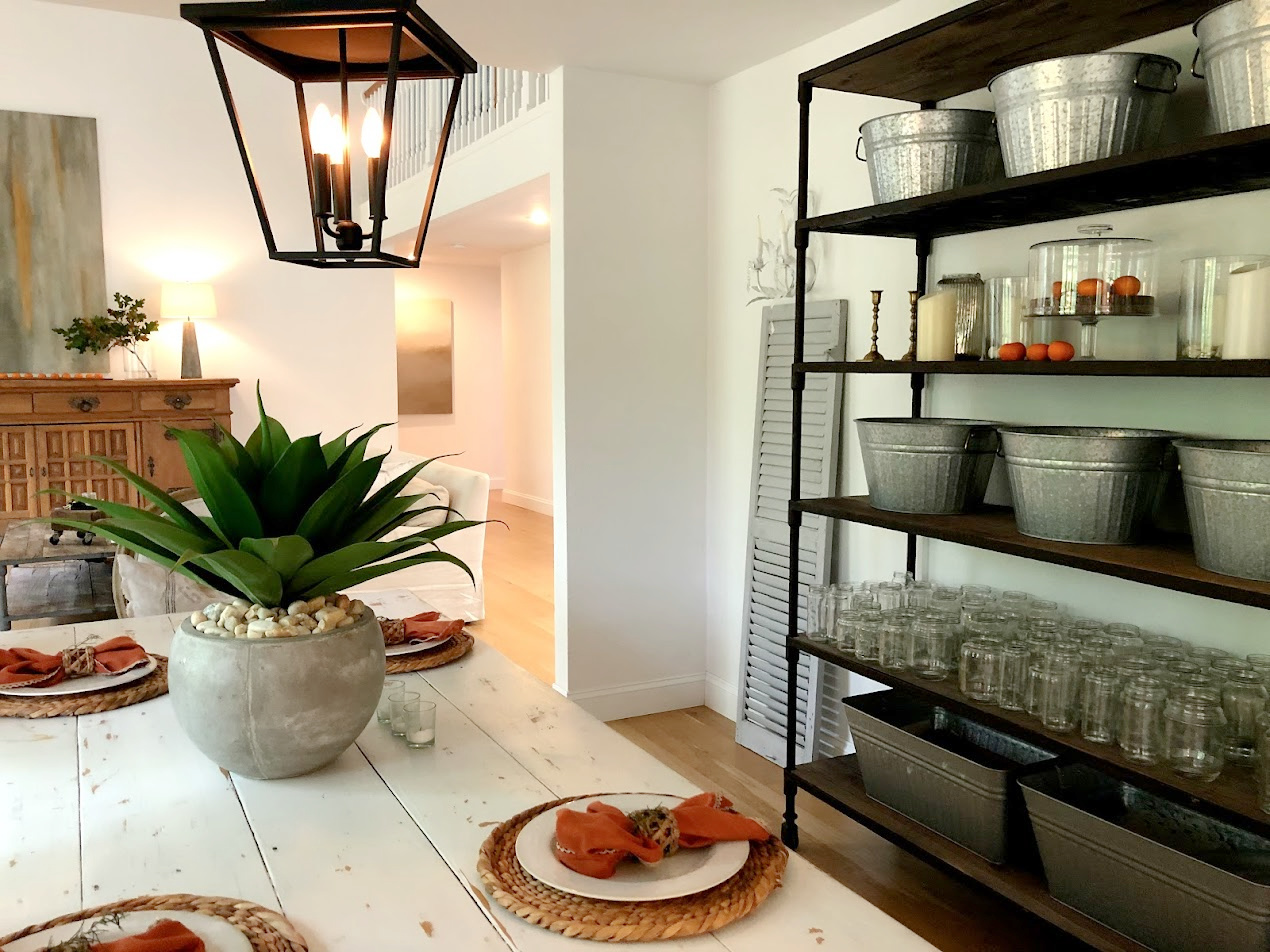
(1013, 351)
(1038, 352)
(1056, 290)
(1126, 286)
(1061, 350)
(1090, 287)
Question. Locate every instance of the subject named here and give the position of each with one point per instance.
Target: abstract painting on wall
(52, 261)
(425, 356)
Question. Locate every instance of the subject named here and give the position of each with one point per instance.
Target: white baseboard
(721, 696)
(648, 697)
(526, 501)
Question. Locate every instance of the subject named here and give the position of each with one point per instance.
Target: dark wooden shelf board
(1166, 562)
(1070, 368)
(1223, 164)
(837, 781)
(962, 50)
(1232, 797)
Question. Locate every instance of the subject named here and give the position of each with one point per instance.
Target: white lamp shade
(187, 300)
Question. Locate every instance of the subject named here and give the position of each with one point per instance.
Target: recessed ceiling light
(539, 216)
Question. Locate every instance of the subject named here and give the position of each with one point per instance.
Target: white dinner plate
(95, 682)
(413, 647)
(685, 873)
(217, 934)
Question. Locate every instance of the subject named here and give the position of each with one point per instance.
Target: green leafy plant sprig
(289, 519)
(124, 325)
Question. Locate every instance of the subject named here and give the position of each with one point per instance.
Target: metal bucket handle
(1137, 81)
(859, 142)
(1195, 64)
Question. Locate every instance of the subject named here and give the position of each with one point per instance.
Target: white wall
(526, 302)
(475, 428)
(753, 147)
(176, 205)
(628, 253)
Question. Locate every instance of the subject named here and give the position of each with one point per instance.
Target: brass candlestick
(873, 353)
(912, 326)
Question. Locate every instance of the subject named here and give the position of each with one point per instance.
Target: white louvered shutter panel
(761, 697)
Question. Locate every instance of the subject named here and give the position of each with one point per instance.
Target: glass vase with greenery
(125, 325)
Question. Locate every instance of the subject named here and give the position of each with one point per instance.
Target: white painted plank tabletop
(377, 851)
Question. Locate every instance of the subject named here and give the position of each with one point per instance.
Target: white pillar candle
(937, 326)
(1247, 314)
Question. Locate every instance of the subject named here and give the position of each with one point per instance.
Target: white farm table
(377, 851)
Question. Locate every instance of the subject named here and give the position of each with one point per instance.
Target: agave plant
(288, 519)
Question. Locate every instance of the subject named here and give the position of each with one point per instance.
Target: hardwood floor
(952, 915)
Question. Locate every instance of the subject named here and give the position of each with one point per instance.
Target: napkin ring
(79, 661)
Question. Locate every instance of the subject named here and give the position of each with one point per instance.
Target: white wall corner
(721, 696)
(647, 697)
(526, 501)
(497, 482)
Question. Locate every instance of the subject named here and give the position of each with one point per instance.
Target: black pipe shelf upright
(944, 57)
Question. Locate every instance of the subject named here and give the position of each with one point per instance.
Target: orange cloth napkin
(165, 935)
(594, 843)
(428, 626)
(28, 668)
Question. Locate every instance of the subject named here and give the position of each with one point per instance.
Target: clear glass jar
(1225, 668)
(946, 599)
(985, 624)
(1100, 706)
(1097, 652)
(1127, 639)
(919, 594)
(980, 671)
(1005, 302)
(1129, 668)
(1243, 700)
(1205, 681)
(895, 649)
(1166, 641)
(868, 634)
(1263, 762)
(844, 630)
(903, 579)
(818, 599)
(985, 592)
(1165, 656)
(1206, 285)
(1177, 671)
(1141, 733)
(1206, 654)
(1012, 694)
(1078, 629)
(1043, 610)
(890, 595)
(1060, 690)
(1195, 734)
(863, 601)
(930, 657)
(968, 333)
(1260, 663)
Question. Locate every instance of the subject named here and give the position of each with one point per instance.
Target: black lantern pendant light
(311, 41)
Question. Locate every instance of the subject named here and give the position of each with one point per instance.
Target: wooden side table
(28, 543)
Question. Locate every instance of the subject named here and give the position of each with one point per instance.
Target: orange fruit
(1061, 350)
(1090, 287)
(1038, 352)
(1056, 290)
(1013, 351)
(1126, 286)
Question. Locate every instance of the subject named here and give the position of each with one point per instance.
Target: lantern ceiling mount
(320, 41)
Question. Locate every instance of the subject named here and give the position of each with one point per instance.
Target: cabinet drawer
(84, 402)
(15, 403)
(178, 399)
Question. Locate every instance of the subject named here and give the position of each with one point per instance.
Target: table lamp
(190, 301)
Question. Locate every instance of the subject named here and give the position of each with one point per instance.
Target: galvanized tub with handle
(1073, 109)
(929, 150)
(929, 466)
(1085, 483)
(1234, 56)
(1227, 485)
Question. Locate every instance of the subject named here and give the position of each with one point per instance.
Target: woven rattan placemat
(268, 931)
(460, 645)
(606, 921)
(152, 685)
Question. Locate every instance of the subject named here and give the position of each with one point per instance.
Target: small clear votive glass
(895, 646)
(1141, 733)
(980, 670)
(1099, 706)
(1012, 695)
(421, 723)
(1243, 700)
(1195, 734)
(1059, 687)
(1263, 762)
(868, 634)
(397, 714)
(383, 713)
(930, 652)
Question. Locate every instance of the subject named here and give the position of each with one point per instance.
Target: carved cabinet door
(17, 473)
(61, 455)
(162, 461)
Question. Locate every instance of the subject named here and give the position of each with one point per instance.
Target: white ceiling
(691, 40)
(489, 229)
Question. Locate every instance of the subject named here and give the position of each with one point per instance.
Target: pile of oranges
(1058, 350)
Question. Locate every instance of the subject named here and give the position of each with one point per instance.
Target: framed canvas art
(425, 356)
(52, 261)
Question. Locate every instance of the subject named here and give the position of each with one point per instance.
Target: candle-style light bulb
(372, 133)
(320, 137)
(320, 147)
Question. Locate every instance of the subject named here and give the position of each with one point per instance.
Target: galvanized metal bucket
(1227, 485)
(1085, 483)
(1074, 109)
(929, 150)
(1234, 50)
(934, 466)
(1169, 877)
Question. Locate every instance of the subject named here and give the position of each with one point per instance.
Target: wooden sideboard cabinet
(49, 427)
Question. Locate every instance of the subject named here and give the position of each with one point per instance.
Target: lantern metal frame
(308, 41)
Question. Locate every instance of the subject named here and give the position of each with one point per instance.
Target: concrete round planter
(276, 707)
